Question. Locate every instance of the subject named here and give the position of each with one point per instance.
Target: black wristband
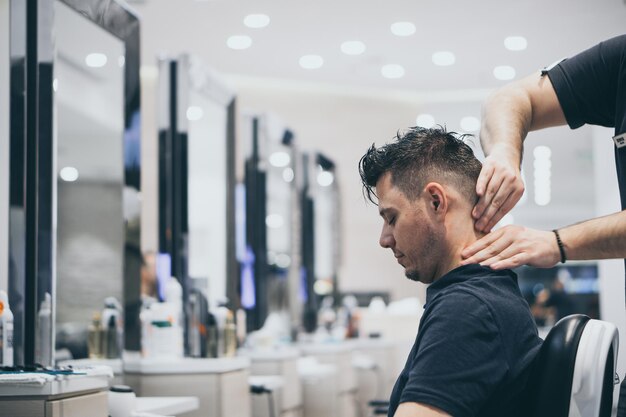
(560, 244)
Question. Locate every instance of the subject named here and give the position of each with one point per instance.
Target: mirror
(196, 184)
(5, 70)
(268, 264)
(90, 167)
(97, 177)
(327, 227)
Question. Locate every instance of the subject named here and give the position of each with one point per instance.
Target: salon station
(182, 227)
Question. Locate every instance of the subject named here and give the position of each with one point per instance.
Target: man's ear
(436, 198)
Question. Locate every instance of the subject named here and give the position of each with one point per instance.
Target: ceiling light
(425, 120)
(403, 28)
(443, 58)
(283, 260)
(504, 72)
(69, 174)
(55, 84)
(239, 42)
(325, 178)
(515, 43)
(288, 174)
(121, 60)
(194, 113)
(96, 60)
(311, 61)
(353, 47)
(256, 21)
(470, 124)
(280, 159)
(392, 71)
(274, 221)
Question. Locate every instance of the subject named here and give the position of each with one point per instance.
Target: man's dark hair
(418, 156)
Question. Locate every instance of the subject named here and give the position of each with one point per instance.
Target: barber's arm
(507, 117)
(418, 410)
(512, 246)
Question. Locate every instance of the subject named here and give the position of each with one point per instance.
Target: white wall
(612, 306)
(4, 143)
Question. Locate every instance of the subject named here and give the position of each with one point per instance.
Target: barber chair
(574, 372)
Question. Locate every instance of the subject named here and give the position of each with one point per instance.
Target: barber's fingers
(485, 181)
(487, 247)
(497, 210)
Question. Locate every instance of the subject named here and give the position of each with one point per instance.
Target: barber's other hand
(499, 188)
(512, 246)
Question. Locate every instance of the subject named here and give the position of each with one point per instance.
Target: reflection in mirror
(90, 185)
(5, 68)
(196, 191)
(327, 227)
(268, 265)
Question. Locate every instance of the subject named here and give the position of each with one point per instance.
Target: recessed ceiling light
(353, 47)
(504, 72)
(256, 21)
(96, 60)
(274, 221)
(288, 174)
(403, 28)
(443, 58)
(280, 159)
(194, 113)
(69, 174)
(425, 120)
(311, 61)
(392, 71)
(470, 124)
(515, 43)
(239, 42)
(325, 178)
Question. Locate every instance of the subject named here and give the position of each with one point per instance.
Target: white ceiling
(473, 31)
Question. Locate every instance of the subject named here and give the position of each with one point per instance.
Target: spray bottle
(6, 331)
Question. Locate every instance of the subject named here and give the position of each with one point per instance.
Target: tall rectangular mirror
(5, 70)
(196, 183)
(96, 115)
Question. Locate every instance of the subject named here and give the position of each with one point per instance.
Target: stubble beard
(429, 250)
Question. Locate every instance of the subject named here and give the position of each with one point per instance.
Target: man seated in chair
(477, 338)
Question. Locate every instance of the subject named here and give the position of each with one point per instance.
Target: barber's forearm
(506, 118)
(600, 238)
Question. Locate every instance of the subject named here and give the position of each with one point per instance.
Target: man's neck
(460, 233)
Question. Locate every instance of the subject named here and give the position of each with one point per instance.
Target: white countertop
(325, 348)
(147, 366)
(46, 385)
(270, 354)
(167, 405)
(115, 364)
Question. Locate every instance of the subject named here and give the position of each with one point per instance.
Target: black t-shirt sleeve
(460, 360)
(587, 84)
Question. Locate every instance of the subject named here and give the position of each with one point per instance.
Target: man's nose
(386, 238)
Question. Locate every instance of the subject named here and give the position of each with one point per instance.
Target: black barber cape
(476, 341)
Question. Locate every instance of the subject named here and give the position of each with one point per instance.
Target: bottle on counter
(230, 335)
(112, 327)
(212, 345)
(43, 353)
(6, 331)
(94, 337)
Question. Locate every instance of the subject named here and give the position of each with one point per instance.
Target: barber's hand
(512, 246)
(499, 188)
